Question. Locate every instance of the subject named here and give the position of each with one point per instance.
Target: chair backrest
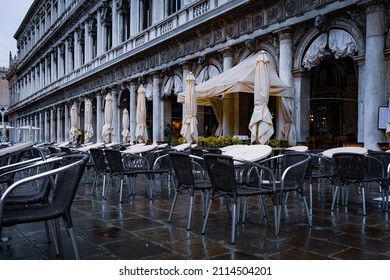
(68, 181)
(220, 169)
(295, 167)
(98, 159)
(114, 159)
(384, 157)
(350, 166)
(182, 168)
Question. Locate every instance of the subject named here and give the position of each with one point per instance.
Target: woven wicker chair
(101, 167)
(188, 175)
(223, 176)
(68, 177)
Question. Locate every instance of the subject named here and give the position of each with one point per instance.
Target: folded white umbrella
(189, 129)
(126, 126)
(108, 129)
(260, 125)
(140, 131)
(73, 123)
(88, 133)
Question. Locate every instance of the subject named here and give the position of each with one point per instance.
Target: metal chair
(320, 169)
(128, 165)
(67, 178)
(351, 170)
(101, 167)
(223, 176)
(188, 176)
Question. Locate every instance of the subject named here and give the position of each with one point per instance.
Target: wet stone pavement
(138, 229)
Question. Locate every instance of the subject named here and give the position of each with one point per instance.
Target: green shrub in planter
(277, 143)
(178, 141)
(218, 142)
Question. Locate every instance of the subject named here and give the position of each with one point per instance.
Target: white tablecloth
(139, 149)
(298, 148)
(357, 150)
(249, 153)
(15, 148)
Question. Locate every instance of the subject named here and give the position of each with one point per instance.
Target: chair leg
(363, 200)
(206, 218)
(74, 243)
(172, 207)
(58, 241)
(121, 190)
(307, 210)
(276, 220)
(94, 183)
(104, 194)
(190, 210)
(334, 197)
(234, 213)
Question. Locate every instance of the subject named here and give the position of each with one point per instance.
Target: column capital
(374, 6)
(227, 52)
(286, 34)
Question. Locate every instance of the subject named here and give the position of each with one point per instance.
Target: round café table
(357, 150)
(232, 147)
(251, 153)
(298, 148)
(139, 149)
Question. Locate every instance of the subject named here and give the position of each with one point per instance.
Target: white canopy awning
(239, 78)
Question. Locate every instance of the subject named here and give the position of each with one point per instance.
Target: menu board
(383, 117)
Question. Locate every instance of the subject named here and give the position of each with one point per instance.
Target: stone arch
(172, 82)
(314, 33)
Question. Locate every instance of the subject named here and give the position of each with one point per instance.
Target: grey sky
(11, 16)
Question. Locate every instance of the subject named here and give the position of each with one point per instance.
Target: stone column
(67, 57)
(46, 125)
(76, 51)
(52, 125)
(361, 95)
(228, 99)
(133, 110)
(59, 125)
(285, 74)
(87, 42)
(114, 25)
(37, 125)
(302, 104)
(375, 63)
(66, 122)
(134, 17)
(99, 117)
(41, 126)
(156, 109)
(115, 115)
(99, 35)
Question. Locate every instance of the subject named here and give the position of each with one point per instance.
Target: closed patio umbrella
(125, 125)
(108, 129)
(88, 121)
(140, 131)
(260, 125)
(189, 129)
(73, 123)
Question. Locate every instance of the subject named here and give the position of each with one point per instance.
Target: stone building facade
(335, 54)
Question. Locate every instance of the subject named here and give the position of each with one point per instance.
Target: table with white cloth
(88, 147)
(357, 150)
(251, 153)
(232, 147)
(140, 149)
(181, 147)
(298, 148)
